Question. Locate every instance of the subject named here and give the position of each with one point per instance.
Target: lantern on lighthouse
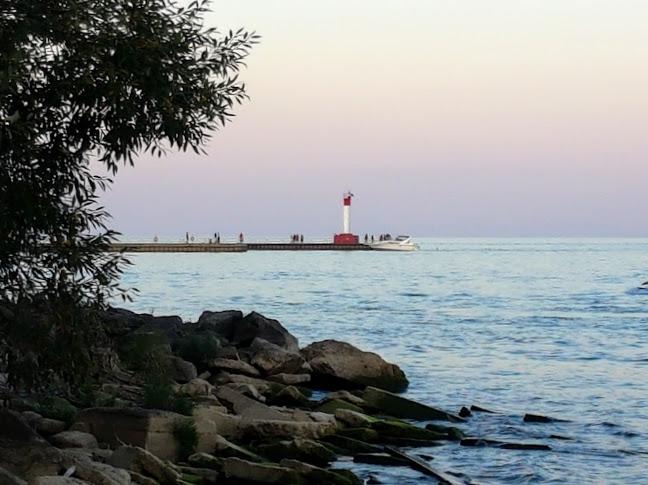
(346, 237)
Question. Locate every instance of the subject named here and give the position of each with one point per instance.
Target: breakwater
(158, 247)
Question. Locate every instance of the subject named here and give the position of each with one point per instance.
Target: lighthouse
(346, 237)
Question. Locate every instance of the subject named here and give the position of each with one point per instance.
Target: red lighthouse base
(346, 238)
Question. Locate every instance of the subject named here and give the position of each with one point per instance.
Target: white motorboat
(643, 286)
(401, 243)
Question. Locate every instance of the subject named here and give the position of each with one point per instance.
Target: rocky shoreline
(227, 399)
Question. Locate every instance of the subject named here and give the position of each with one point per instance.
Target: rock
(339, 364)
(205, 460)
(233, 366)
(345, 396)
(221, 323)
(8, 478)
(256, 325)
(388, 429)
(182, 371)
(259, 473)
(31, 418)
(308, 451)
(351, 445)
(247, 390)
(119, 322)
(264, 387)
(48, 426)
(265, 429)
(318, 476)
(271, 358)
(22, 451)
(212, 423)
(290, 396)
(290, 379)
(94, 472)
(74, 439)
(503, 444)
(146, 428)
(464, 412)
(140, 479)
(525, 446)
(451, 433)
(141, 461)
(367, 435)
(537, 418)
(207, 475)
(401, 407)
(196, 388)
(332, 405)
(353, 419)
(247, 407)
(226, 448)
(384, 459)
(57, 480)
(480, 409)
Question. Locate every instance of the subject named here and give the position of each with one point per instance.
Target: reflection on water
(552, 326)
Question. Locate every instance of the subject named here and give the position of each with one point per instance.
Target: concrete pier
(160, 247)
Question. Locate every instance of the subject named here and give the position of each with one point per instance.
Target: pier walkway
(162, 247)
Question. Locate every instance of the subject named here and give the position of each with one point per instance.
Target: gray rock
(205, 460)
(8, 478)
(304, 450)
(339, 364)
(141, 461)
(290, 379)
(221, 323)
(48, 426)
(182, 370)
(196, 387)
(401, 407)
(74, 439)
(233, 366)
(273, 359)
(258, 473)
(256, 325)
(290, 396)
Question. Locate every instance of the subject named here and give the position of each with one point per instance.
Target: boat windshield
(402, 238)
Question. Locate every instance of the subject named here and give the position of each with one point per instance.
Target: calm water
(550, 326)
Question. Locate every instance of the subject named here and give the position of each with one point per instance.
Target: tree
(82, 81)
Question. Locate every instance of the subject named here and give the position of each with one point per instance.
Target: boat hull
(393, 246)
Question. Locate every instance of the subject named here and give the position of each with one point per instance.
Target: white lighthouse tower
(346, 237)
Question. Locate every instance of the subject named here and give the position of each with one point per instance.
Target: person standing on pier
(301, 239)
(241, 239)
(187, 237)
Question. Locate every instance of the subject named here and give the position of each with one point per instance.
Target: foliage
(57, 408)
(147, 352)
(198, 347)
(186, 435)
(86, 81)
(159, 394)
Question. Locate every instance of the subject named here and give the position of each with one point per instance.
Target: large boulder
(146, 428)
(401, 407)
(74, 439)
(256, 325)
(233, 366)
(119, 321)
(339, 364)
(221, 323)
(143, 462)
(308, 451)
(182, 371)
(22, 451)
(272, 359)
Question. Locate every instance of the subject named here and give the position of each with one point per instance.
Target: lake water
(549, 326)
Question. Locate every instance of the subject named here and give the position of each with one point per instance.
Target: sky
(443, 117)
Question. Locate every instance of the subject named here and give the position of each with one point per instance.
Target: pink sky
(444, 117)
